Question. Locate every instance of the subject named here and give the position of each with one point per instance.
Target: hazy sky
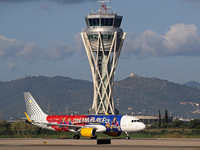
(42, 37)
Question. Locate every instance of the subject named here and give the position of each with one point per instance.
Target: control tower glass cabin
(103, 39)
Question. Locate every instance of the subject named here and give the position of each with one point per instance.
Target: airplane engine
(113, 133)
(88, 132)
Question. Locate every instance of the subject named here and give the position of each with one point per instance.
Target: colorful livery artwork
(85, 125)
(112, 123)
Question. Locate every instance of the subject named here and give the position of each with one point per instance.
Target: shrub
(196, 131)
(22, 128)
(163, 131)
(164, 125)
(155, 126)
(5, 128)
(184, 125)
(175, 124)
(194, 123)
(197, 127)
(175, 135)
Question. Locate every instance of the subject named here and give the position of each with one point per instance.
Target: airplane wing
(62, 125)
(19, 119)
(74, 127)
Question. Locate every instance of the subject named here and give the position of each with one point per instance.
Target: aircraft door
(123, 121)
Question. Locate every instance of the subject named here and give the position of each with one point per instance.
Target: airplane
(85, 125)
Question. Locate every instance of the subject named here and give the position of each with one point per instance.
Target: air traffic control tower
(103, 39)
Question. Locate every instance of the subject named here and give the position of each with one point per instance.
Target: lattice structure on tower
(103, 39)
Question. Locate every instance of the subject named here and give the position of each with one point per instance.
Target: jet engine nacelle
(88, 132)
(113, 133)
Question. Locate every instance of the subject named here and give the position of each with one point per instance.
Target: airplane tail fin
(34, 112)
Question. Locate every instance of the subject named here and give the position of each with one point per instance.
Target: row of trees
(25, 129)
(193, 124)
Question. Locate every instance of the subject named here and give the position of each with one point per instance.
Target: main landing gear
(127, 136)
(76, 136)
(95, 137)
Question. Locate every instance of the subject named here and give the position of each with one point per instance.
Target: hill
(193, 84)
(147, 95)
(63, 95)
(54, 94)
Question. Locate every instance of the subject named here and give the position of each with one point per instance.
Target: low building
(151, 120)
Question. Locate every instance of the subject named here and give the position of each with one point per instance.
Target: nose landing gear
(127, 136)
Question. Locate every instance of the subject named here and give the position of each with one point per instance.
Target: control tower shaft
(103, 39)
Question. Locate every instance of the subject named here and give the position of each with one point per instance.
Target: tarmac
(88, 144)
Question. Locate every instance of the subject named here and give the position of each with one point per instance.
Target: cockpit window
(135, 121)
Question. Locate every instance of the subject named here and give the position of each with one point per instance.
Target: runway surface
(87, 144)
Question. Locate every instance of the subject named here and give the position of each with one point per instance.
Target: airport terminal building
(151, 120)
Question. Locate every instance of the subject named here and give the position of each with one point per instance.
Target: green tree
(164, 125)
(194, 123)
(4, 128)
(21, 128)
(166, 116)
(197, 127)
(184, 125)
(159, 121)
(175, 124)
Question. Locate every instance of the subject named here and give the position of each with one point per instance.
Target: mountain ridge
(64, 95)
(193, 84)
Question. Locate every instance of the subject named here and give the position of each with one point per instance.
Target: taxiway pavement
(87, 144)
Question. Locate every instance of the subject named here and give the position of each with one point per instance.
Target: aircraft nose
(142, 126)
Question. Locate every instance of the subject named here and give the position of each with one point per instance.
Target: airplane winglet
(27, 117)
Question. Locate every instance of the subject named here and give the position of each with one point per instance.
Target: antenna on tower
(103, 2)
(103, 7)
